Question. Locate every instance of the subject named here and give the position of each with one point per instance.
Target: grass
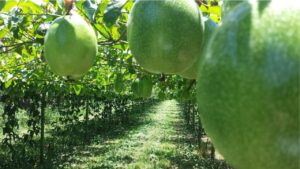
(156, 138)
(161, 142)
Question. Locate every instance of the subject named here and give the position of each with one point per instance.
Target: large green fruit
(192, 71)
(249, 86)
(70, 46)
(142, 88)
(165, 36)
(229, 5)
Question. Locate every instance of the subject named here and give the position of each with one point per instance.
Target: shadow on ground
(156, 138)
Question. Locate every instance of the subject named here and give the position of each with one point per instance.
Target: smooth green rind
(165, 36)
(70, 46)
(229, 5)
(249, 92)
(192, 71)
(142, 88)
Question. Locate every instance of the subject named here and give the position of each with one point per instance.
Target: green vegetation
(64, 132)
(157, 137)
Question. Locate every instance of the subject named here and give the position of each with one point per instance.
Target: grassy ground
(160, 141)
(156, 137)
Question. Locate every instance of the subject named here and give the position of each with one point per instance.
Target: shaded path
(162, 142)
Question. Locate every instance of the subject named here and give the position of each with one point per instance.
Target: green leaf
(128, 5)
(3, 32)
(8, 83)
(89, 9)
(113, 11)
(100, 10)
(77, 89)
(1, 21)
(115, 33)
(30, 7)
(215, 10)
(60, 4)
(204, 9)
(215, 18)
(7, 5)
(2, 4)
(102, 30)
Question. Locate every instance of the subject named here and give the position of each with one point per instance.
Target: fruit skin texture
(142, 88)
(70, 46)
(192, 71)
(249, 90)
(165, 36)
(229, 5)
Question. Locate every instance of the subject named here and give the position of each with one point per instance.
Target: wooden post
(212, 153)
(86, 118)
(193, 115)
(42, 121)
(69, 4)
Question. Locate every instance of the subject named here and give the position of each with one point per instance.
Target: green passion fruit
(192, 71)
(70, 46)
(248, 86)
(142, 88)
(229, 5)
(165, 36)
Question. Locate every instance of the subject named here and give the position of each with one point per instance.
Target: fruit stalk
(69, 4)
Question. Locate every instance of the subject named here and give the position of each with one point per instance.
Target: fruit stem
(69, 4)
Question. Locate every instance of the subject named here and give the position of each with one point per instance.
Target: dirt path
(161, 142)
